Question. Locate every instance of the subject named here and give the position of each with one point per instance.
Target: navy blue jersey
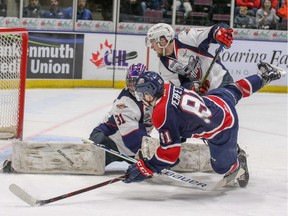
(182, 113)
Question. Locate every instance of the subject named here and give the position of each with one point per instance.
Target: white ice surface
(70, 114)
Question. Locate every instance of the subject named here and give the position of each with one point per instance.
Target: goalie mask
(158, 31)
(149, 87)
(134, 71)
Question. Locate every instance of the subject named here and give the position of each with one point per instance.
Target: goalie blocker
(84, 158)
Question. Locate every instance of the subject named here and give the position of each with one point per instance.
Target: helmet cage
(134, 71)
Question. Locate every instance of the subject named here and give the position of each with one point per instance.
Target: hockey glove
(139, 171)
(201, 89)
(224, 36)
(97, 136)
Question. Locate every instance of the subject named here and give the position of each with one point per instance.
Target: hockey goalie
(125, 129)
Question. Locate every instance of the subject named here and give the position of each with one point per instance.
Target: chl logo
(108, 56)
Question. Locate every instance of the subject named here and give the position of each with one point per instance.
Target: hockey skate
(239, 171)
(7, 167)
(242, 178)
(269, 72)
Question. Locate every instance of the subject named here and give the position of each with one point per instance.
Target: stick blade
(19, 192)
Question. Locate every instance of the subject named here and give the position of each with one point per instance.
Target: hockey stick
(212, 63)
(173, 175)
(19, 192)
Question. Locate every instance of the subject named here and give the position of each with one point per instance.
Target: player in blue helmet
(126, 129)
(149, 88)
(128, 125)
(181, 113)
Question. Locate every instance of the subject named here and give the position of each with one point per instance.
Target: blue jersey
(182, 113)
(85, 14)
(58, 13)
(127, 122)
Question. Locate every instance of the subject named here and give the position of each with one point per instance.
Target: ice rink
(67, 115)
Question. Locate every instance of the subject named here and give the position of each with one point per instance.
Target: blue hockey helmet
(149, 84)
(134, 71)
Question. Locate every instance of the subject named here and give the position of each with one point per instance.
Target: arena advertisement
(104, 59)
(242, 58)
(55, 56)
(108, 56)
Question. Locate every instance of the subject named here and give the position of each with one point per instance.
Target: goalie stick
(19, 192)
(198, 184)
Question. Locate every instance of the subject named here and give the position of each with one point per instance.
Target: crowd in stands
(33, 10)
(257, 14)
(261, 14)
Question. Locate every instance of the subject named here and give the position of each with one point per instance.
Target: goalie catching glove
(139, 171)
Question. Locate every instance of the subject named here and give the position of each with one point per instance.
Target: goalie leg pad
(194, 157)
(57, 158)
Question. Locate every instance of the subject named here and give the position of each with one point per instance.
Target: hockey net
(13, 61)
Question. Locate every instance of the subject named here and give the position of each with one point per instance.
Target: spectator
(55, 12)
(275, 4)
(151, 5)
(130, 7)
(83, 13)
(252, 5)
(242, 20)
(266, 17)
(32, 10)
(107, 10)
(3, 8)
(165, 6)
(183, 6)
(283, 10)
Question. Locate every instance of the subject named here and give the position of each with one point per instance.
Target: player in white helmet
(185, 59)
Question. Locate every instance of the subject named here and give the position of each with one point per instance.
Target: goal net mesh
(11, 51)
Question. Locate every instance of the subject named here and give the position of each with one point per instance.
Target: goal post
(13, 63)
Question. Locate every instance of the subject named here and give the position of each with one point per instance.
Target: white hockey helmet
(156, 32)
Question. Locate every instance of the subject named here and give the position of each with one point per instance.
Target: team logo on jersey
(194, 67)
(192, 70)
(187, 30)
(121, 106)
